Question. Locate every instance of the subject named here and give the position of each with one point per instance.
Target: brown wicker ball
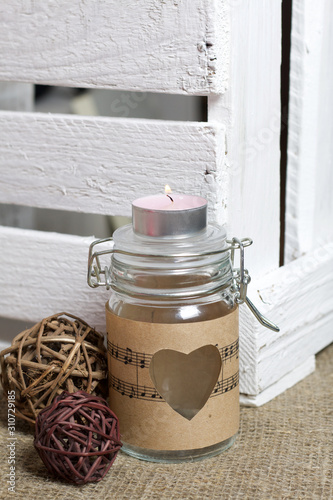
(59, 353)
(77, 437)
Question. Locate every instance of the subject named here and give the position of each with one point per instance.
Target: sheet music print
(127, 356)
(134, 390)
(140, 361)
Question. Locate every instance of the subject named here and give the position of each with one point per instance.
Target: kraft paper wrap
(146, 420)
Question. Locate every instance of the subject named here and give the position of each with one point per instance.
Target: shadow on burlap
(284, 451)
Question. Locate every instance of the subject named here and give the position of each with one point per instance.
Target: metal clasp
(95, 269)
(241, 279)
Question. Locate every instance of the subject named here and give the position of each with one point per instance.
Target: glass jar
(172, 323)
(156, 283)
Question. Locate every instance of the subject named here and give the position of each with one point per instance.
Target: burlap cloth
(284, 451)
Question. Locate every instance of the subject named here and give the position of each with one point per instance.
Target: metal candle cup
(174, 215)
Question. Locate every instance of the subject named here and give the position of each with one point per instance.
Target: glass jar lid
(208, 244)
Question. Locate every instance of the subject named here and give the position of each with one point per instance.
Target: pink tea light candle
(169, 214)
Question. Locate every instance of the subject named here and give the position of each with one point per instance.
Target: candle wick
(170, 197)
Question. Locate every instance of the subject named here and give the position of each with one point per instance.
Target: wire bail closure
(240, 279)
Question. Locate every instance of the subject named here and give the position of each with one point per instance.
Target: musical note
(229, 351)
(143, 361)
(129, 356)
(120, 387)
(133, 394)
(113, 350)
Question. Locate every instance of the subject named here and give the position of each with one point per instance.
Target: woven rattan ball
(77, 437)
(60, 353)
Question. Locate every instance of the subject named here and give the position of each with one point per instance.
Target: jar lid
(210, 240)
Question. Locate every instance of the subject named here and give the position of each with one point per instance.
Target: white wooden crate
(229, 51)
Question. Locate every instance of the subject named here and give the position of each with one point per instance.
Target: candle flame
(167, 189)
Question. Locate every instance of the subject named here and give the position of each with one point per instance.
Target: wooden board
(310, 146)
(170, 46)
(285, 382)
(45, 273)
(100, 165)
(16, 97)
(298, 297)
(250, 112)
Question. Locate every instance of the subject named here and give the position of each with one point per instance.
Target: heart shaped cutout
(185, 381)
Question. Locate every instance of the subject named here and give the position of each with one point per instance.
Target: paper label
(174, 386)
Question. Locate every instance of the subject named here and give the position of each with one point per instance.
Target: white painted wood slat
(250, 112)
(285, 382)
(18, 97)
(44, 273)
(100, 165)
(309, 210)
(298, 297)
(161, 46)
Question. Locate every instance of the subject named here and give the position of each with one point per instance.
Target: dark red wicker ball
(77, 437)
